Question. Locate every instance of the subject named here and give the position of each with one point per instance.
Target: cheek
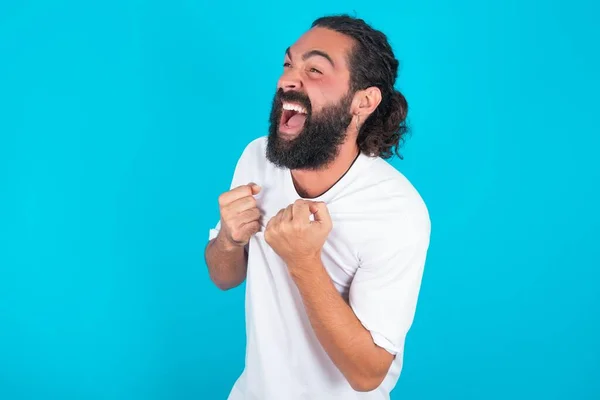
(323, 93)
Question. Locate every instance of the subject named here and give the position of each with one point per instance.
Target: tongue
(296, 121)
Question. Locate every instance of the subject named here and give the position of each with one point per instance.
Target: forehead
(335, 44)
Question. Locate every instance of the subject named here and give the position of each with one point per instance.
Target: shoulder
(256, 148)
(399, 210)
(400, 228)
(254, 153)
(394, 192)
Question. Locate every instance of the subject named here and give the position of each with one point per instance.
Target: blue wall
(121, 121)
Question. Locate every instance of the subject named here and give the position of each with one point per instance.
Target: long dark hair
(372, 63)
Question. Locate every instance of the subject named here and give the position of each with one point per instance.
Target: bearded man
(329, 237)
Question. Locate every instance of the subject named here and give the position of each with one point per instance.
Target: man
(330, 238)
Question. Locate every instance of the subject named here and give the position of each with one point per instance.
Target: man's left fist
(294, 237)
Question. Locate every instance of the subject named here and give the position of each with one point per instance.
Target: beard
(318, 143)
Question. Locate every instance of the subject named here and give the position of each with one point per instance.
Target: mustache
(293, 96)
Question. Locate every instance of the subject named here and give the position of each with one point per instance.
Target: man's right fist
(240, 216)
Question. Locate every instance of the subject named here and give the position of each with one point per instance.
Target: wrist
(303, 267)
(227, 245)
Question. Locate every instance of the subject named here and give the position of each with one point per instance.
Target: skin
(225, 255)
(317, 65)
(324, 83)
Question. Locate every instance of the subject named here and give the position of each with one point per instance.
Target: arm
(226, 263)
(349, 345)
(225, 255)
(362, 338)
(346, 341)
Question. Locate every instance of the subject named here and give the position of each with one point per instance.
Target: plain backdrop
(121, 122)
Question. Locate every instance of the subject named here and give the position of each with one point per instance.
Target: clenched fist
(240, 216)
(292, 234)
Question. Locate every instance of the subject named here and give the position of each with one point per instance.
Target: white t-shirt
(375, 256)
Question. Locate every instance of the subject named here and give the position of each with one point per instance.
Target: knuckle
(226, 213)
(226, 222)
(242, 189)
(235, 235)
(225, 217)
(238, 235)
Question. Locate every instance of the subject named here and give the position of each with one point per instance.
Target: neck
(313, 183)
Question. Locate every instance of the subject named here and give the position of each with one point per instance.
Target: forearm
(347, 342)
(227, 264)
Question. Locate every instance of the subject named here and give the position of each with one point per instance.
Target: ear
(365, 102)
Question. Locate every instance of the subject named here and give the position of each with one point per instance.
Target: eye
(314, 70)
(286, 64)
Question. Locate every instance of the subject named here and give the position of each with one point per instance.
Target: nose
(290, 81)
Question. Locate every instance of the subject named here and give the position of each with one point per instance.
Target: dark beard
(318, 143)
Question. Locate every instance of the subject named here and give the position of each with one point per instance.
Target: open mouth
(293, 118)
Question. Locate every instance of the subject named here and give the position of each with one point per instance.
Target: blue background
(121, 122)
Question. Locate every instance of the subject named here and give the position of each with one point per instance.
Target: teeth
(294, 107)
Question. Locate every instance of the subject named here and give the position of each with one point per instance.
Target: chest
(339, 254)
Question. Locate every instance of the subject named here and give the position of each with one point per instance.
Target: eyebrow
(312, 53)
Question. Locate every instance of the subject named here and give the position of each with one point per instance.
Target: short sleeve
(242, 175)
(213, 232)
(385, 288)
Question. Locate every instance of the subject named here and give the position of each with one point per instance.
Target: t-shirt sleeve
(385, 288)
(241, 176)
